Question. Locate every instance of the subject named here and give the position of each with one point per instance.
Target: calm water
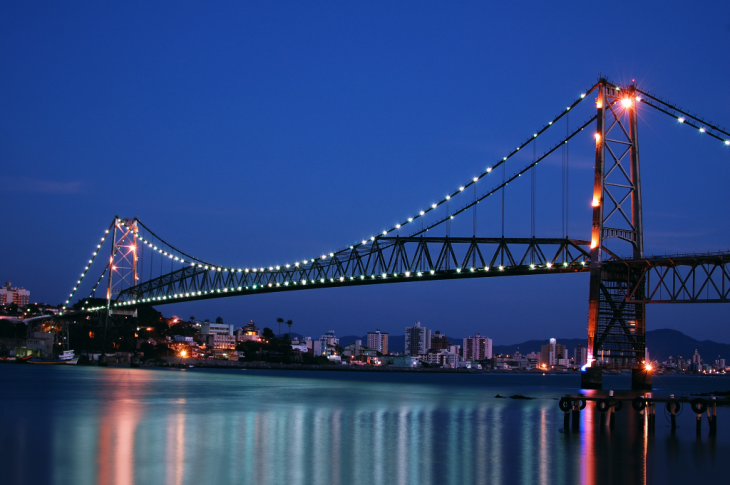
(87, 425)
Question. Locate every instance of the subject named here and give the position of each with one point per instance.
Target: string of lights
(86, 269)
(704, 127)
(686, 114)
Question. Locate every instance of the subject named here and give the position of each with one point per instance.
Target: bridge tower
(122, 271)
(616, 327)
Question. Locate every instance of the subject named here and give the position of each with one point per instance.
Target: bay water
(90, 425)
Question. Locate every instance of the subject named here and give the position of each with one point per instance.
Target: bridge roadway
(385, 260)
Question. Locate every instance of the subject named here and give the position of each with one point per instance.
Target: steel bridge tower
(616, 326)
(122, 269)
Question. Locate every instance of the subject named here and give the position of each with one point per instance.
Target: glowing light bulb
(626, 102)
(595, 202)
(680, 119)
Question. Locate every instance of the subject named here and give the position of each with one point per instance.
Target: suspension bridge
(141, 268)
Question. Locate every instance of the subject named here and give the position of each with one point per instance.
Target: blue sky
(259, 134)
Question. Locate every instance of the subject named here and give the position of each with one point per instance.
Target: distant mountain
(665, 342)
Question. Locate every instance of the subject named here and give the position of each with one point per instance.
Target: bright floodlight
(626, 102)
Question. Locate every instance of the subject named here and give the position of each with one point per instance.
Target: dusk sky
(258, 134)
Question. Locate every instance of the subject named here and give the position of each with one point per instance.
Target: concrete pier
(641, 380)
(591, 378)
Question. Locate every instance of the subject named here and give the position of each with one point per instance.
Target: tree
(268, 334)
(192, 318)
(289, 324)
(218, 319)
(279, 321)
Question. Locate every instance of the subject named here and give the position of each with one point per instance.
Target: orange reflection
(176, 448)
(117, 430)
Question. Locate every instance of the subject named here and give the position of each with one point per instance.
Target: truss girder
(387, 260)
(680, 279)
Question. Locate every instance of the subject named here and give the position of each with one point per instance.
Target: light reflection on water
(128, 426)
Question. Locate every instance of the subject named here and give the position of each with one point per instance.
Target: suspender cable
(474, 230)
(534, 190)
(504, 178)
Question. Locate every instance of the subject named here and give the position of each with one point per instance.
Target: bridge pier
(641, 380)
(591, 378)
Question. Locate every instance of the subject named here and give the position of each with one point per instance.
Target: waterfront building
(440, 357)
(580, 355)
(39, 344)
(439, 341)
(553, 352)
(19, 296)
(405, 361)
(477, 348)
(418, 339)
(378, 340)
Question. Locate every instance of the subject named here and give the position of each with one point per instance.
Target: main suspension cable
(681, 111)
(512, 178)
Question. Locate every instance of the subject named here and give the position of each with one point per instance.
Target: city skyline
(263, 116)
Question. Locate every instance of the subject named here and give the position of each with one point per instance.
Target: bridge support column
(591, 378)
(641, 380)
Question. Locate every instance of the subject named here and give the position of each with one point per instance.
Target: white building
(19, 296)
(378, 340)
(216, 328)
(326, 344)
(477, 348)
(418, 339)
(218, 335)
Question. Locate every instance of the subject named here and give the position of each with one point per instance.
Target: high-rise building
(378, 340)
(477, 348)
(552, 353)
(418, 339)
(439, 341)
(19, 296)
(696, 358)
(580, 355)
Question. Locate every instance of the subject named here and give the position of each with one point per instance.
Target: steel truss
(700, 278)
(385, 260)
